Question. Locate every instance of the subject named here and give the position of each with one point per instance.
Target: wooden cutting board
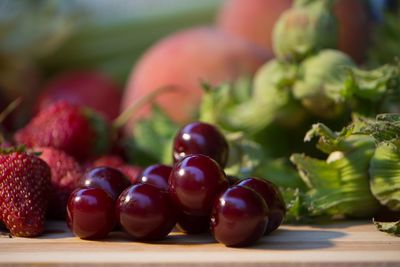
(340, 244)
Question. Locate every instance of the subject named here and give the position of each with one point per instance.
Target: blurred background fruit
(254, 20)
(41, 41)
(183, 60)
(87, 88)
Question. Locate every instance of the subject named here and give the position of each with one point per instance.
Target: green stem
(124, 117)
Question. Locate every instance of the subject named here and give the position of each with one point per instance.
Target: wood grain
(340, 244)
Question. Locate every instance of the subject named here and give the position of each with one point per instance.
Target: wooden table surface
(340, 244)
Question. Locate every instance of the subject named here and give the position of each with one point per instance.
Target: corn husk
(385, 163)
(385, 174)
(302, 30)
(319, 77)
(339, 185)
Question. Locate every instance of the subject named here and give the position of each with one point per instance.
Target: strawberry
(130, 171)
(65, 175)
(83, 87)
(24, 188)
(77, 131)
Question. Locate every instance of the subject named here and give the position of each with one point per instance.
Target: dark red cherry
(90, 213)
(201, 138)
(146, 212)
(239, 217)
(156, 175)
(109, 179)
(191, 224)
(194, 184)
(273, 198)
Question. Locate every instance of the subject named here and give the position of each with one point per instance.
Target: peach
(182, 60)
(255, 19)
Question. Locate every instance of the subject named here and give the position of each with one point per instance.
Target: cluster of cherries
(194, 195)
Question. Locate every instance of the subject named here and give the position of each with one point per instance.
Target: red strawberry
(65, 175)
(130, 171)
(24, 188)
(86, 88)
(73, 129)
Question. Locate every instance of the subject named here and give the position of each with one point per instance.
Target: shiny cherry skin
(273, 198)
(194, 184)
(146, 212)
(201, 138)
(193, 224)
(109, 179)
(156, 175)
(90, 213)
(239, 217)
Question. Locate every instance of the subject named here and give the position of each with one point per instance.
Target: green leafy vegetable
(273, 100)
(392, 228)
(303, 30)
(385, 40)
(384, 167)
(104, 136)
(339, 185)
(385, 174)
(151, 140)
(280, 172)
(320, 78)
(244, 156)
(386, 127)
(297, 210)
(220, 103)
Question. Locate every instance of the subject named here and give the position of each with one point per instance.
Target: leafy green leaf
(320, 81)
(102, 142)
(392, 228)
(244, 155)
(345, 140)
(280, 172)
(339, 185)
(385, 175)
(386, 127)
(297, 210)
(220, 103)
(385, 40)
(151, 139)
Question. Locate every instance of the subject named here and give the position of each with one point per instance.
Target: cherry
(146, 212)
(239, 217)
(201, 138)
(156, 175)
(194, 184)
(272, 197)
(90, 213)
(193, 224)
(109, 179)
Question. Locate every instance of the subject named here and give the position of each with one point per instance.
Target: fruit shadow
(284, 239)
(56, 230)
(187, 240)
(339, 224)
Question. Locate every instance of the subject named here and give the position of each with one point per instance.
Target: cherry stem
(124, 117)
